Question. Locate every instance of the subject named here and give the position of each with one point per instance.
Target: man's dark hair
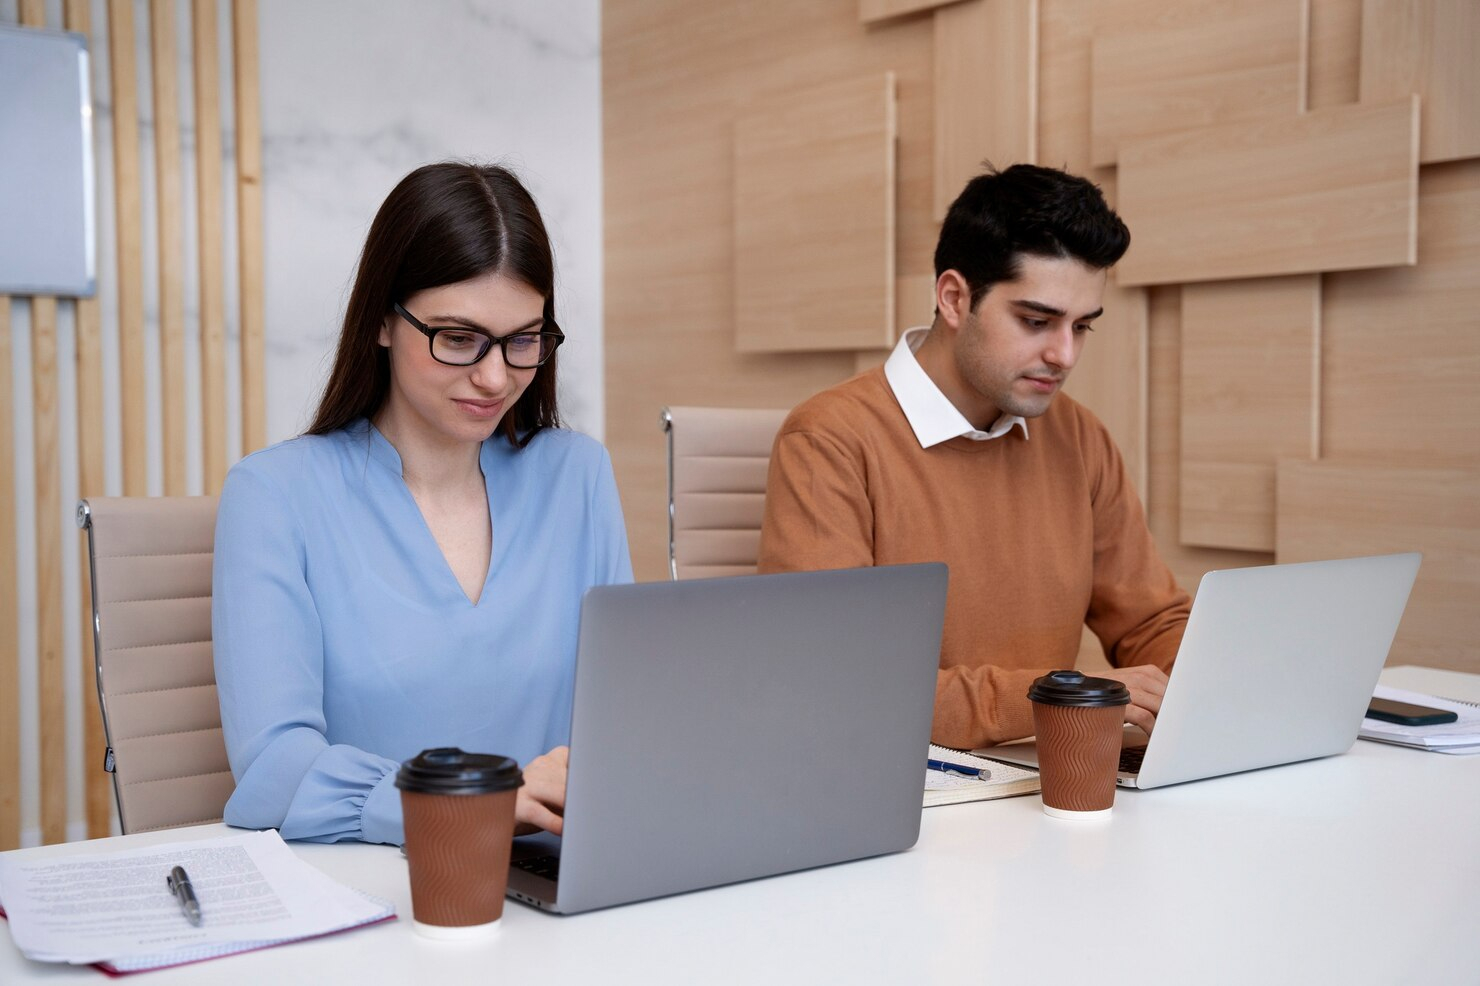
(1002, 215)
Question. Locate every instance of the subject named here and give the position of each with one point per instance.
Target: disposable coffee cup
(1078, 722)
(459, 812)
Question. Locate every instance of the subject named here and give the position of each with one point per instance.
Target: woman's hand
(541, 801)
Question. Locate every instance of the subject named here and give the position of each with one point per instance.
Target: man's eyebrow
(469, 323)
(1041, 308)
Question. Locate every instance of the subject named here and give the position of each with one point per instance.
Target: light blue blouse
(344, 643)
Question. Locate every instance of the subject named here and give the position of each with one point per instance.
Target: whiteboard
(48, 229)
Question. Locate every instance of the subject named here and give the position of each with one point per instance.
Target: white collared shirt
(930, 413)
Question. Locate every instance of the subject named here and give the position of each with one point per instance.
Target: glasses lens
(529, 349)
(459, 346)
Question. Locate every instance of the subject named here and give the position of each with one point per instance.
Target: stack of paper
(115, 909)
(949, 788)
(1461, 736)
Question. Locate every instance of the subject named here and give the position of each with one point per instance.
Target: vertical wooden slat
(130, 225)
(90, 482)
(171, 249)
(209, 223)
(10, 665)
(249, 223)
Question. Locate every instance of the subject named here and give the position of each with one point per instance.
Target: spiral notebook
(945, 788)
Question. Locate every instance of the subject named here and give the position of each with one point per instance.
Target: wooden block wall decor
(872, 11)
(1335, 53)
(986, 91)
(1401, 374)
(10, 666)
(129, 226)
(1065, 29)
(1334, 189)
(169, 188)
(1161, 67)
(1110, 378)
(1250, 395)
(1332, 509)
(814, 219)
(1429, 47)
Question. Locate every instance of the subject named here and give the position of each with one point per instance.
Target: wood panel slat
(1401, 374)
(10, 665)
(871, 11)
(50, 674)
(1333, 509)
(1161, 67)
(167, 192)
(1111, 376)
(1335, 53)
(1429, 47)
(814, 218)
(246, 92)
(97, 791)
(1251, 355)
(129, 227)
(1065, 29)
(1335, 189)
(986, 106)
(210, 215)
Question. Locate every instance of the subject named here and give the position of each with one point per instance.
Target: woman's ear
(952, 298)
(385, 331)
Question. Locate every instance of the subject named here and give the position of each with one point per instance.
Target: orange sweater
(1042, 535)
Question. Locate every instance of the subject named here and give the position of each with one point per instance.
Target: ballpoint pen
(955, 768)
(179, 883)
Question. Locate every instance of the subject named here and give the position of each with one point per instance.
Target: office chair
(717, 461)
(150, 559)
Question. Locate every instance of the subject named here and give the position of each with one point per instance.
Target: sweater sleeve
(1136, 607)
(269, 659)
(818, 516)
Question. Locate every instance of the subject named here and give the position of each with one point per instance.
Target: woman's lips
(480, 409)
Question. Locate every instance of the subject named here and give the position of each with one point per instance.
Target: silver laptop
(727, 729)
(1277, 665)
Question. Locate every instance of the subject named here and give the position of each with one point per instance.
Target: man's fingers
(1137, 716)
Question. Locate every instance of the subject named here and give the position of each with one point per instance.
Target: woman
(409, 573)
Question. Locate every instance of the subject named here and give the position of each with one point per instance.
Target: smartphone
(1408, 714)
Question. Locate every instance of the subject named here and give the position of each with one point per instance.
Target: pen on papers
(179, 883)
(955, 768)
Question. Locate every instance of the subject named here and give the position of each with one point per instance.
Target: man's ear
(952, 298)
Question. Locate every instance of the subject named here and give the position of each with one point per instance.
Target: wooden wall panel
(1330, 190)
(1250, 395)
(1335, 53)
(814, 218)
(10, 665)
(210, 216)
(1402, 346)
(1110, 377)
(1163, 67)
(872, 11)
(1333, 509)
(1065, 29)
(249, 253)
(170, 230)
(129, 226)
(986, 107)
(1429, 47)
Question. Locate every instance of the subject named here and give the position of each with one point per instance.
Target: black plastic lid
(448, 770)
(1075, 688)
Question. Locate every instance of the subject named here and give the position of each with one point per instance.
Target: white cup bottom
(1078, 816)
(467, 932)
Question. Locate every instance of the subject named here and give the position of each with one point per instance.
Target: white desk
(1362, 868)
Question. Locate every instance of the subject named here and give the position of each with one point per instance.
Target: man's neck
(937, 358)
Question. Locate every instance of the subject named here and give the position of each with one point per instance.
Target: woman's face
(456, 404)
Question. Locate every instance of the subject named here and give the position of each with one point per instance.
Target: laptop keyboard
(1130, 759)
(545, 866)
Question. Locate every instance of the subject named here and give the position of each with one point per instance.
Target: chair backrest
(717, 461)
(151, 589)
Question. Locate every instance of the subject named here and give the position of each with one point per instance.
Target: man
(956, 450)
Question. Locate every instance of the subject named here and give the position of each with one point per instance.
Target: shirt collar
(930, 413)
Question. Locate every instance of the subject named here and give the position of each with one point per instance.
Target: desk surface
(1361, 868)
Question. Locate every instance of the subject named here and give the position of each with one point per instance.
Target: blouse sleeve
(269, 658)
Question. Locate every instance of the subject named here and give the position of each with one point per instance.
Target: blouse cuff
(380, 818)
(338, 799)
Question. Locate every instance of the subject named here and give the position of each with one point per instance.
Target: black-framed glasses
(458, 345)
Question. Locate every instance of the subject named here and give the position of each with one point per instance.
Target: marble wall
(355, 95)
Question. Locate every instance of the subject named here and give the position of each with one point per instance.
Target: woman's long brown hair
(443, 223)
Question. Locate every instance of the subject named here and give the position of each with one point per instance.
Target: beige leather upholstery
(717, 459)
(151, 577)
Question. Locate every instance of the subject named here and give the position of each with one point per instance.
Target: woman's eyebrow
(469, 323)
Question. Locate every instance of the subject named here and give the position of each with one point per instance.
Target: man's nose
(1062, 350)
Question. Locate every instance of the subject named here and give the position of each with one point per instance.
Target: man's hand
(541, 801)
(1148, 683)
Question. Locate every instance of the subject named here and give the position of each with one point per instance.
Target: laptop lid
(1277, 664)
(727, 729)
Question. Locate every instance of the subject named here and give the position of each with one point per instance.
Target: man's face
(1014, 351)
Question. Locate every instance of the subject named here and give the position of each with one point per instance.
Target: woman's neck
(429, 462)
